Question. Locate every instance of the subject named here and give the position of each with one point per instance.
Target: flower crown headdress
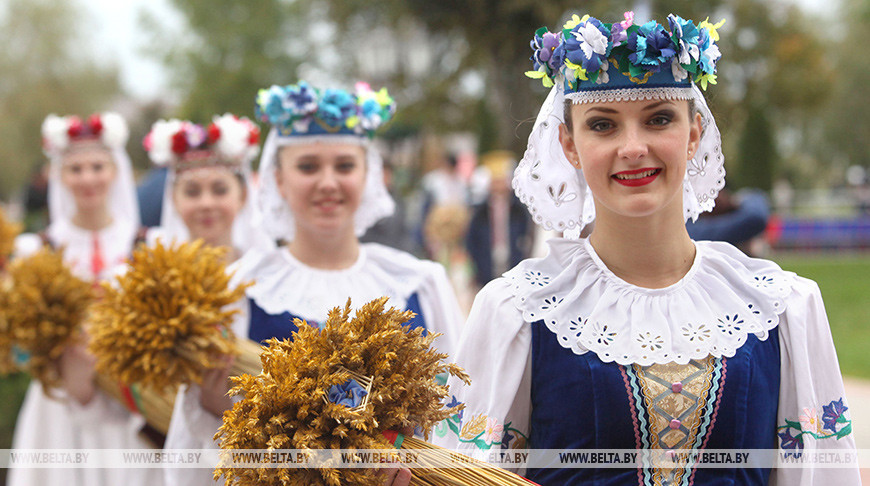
(228, 140)
(589, 61)
(590, 56)
(58, 132)
(301, 109)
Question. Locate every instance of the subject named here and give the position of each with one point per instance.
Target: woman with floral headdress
(94, 216)
(208, 196)
(321, 187)
(639, 339)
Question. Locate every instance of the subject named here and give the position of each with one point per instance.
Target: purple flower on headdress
(195, 135)
(832, 413)
(651, 46)
(618, 33)
(548, 51)
(335, 107)
(301, 100)
(709, 52)
(686, 36)
(588, 44)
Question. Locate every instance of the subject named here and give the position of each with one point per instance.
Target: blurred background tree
(225, 52)
(44, 68)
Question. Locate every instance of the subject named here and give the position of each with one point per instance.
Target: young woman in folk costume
(321, 188)
(94, 216)
(639, 337)
(208, 196)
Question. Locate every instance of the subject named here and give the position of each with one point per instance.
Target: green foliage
(757, 155)
(43, 70)
(229, 50)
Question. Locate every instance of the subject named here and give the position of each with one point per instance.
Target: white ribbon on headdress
(122, 202)
(274, 215)
(556, 192)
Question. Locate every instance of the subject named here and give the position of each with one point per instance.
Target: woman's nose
(633, 145)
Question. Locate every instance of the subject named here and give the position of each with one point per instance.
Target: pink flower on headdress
(618, 35)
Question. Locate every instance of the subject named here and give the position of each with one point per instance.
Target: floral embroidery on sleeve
(481, 430)
(833, 424)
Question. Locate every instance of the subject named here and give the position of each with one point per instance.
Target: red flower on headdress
(254, 137)
(214, 133)
(75, 127)
(179, 142)
(96, 124)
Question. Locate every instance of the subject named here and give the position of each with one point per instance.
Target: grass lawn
(845, 283)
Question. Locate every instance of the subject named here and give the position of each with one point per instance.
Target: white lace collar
(284, 284)
(724, 297)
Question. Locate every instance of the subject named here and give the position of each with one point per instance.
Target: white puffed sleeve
(495, 350)
(440, 309)
(192, 426)
(814, 414)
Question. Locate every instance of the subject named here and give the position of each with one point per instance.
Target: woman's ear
(566, 139)
(694, 135)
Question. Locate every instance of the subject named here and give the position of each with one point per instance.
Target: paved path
(858, 394)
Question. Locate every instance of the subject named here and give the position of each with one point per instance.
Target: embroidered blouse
(736, 355)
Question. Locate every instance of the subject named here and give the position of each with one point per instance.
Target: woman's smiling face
(633, 154)
(323, 185)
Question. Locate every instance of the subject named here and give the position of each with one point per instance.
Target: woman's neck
(652, 252)
(226, 242)
(334, 252)
(92, 220)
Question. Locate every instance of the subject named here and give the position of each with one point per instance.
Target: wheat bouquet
(165, 321)
(347, 386)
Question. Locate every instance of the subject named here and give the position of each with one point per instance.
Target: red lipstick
(636, 177)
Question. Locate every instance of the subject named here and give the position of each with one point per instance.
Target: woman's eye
(346, 167)
(220, 190)
(600, 125)
(191, 192)
(306, 167)
(661, 119)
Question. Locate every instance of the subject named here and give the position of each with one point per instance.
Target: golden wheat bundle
(8, 231)
(343, 388)
(44, 307)
(447, 224)
(165, 320)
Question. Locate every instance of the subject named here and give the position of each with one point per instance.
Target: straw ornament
(284, 407)
(165, 321)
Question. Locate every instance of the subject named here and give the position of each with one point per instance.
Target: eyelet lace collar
(723, 298)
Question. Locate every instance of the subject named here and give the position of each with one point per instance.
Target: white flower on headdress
(591, 40)
(603, 77)
(678, 71)
(54, 134)
(115, 132)
(158, 143)
(237, 139)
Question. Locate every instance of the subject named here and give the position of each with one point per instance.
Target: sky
(117, 35)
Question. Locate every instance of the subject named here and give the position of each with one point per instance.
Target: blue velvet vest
(264, 326)
(581, 402)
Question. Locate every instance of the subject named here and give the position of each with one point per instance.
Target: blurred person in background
(739, 219)
(393, 230)
(94, 216)
(500, 230)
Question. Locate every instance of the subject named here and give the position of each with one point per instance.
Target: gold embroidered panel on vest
(677, 401)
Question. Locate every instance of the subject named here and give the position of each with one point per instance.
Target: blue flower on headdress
(651, 47)
(549, 52)
(709, 52)
(686, 36)
(588, 44)
(335, 107)
(270, 106)
(301, 100)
